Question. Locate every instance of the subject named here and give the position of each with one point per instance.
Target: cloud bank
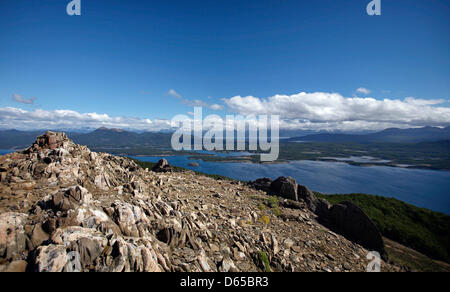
(302, 111)
(333, 111)
(14, 118)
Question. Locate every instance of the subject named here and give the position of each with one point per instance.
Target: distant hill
(100, 138)
(117, 138)
(13, 139)
(393, 135)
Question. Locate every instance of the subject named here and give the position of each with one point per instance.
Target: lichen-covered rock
(308, 197)
(285, 187)
(71, 198)
(131, 219)
(50, 140)
(72, 249)
(14, 267)
(38, 236)
(322, 209)
(51, 258)
(162, 166)
(129, 257)
(12, 235)
(349, 219)
(263, 184)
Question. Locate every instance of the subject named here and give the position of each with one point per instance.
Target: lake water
(360, 159)
(423, 188)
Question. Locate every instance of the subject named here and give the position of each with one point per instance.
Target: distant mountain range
(393, 135)
(105, 137)
(116, 138)
(100, 138)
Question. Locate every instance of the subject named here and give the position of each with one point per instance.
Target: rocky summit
(65, 208)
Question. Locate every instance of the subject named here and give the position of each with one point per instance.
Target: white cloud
(346, 126)
(216, 107)
(14, 118)
(303, 111)
(333, 111)
(195, 102)
(363, 90)
(20, 99)
(173, 93)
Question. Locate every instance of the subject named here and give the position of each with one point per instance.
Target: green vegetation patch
(265, 261)
(272, 202)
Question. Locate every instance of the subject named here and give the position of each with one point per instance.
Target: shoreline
(247, 159)
(353, 163)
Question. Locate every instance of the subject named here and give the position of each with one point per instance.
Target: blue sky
(121, 58)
